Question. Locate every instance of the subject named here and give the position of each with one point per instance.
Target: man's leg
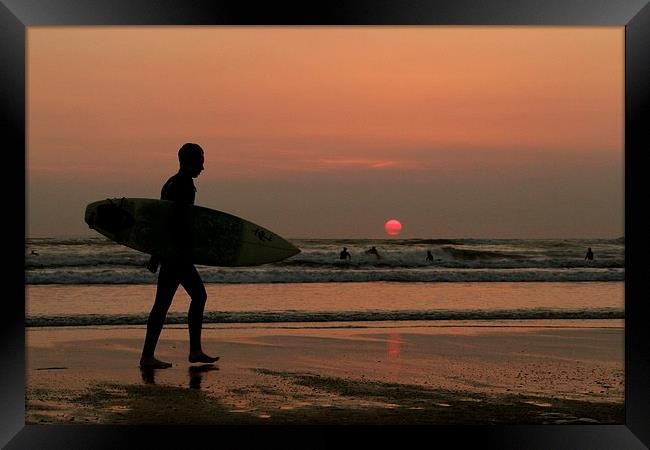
(191, 281)
(165, 290)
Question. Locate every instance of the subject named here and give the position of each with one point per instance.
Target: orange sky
(459, 131)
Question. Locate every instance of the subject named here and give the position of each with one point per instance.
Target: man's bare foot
(150, 362)
(201, 357)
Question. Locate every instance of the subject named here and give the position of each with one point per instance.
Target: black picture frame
(634, 15)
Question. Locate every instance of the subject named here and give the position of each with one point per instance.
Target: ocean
(94, 281)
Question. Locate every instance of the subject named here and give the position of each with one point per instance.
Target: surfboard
(173, 230)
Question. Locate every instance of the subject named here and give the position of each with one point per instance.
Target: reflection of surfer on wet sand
(196, 374)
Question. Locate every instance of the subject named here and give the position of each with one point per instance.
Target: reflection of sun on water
(393, 348)
(393, 353)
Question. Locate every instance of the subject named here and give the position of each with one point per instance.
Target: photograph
(371, 225)
(265, 225)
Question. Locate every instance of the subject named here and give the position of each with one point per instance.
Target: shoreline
(320, 375)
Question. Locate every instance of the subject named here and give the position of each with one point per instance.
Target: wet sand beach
(414, 373)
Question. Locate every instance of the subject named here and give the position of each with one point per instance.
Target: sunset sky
(328, 132)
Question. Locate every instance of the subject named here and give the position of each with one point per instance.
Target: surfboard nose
(284, 248)
(293, 249)
(288, 250)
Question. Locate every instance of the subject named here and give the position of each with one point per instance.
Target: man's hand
(153, 264)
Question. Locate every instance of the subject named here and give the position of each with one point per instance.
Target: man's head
(190, 157)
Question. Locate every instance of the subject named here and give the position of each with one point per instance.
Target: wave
(100, 240)
(465, 260)
(416, 242)
(266, 275)
(98, 260)
(445, 256)
(464, 254)
(329, 316)
(85, 262)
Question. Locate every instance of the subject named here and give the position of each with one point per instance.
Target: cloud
(364, 163)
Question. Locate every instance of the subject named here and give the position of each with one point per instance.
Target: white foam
(331, 316)
(99, 261)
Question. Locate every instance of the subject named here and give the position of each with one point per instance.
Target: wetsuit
(179, 188)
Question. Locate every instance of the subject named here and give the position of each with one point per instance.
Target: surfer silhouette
(179, 271)
(590, 255)
(345, 254)
(373, 251)
(429, 256)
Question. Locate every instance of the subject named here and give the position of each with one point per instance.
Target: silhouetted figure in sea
(34, 253)
(345, 254)
(590, 255)
(179, 271)
(373, 251)
(429, 256)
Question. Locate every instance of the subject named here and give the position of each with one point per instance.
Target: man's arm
(181, 192)
(182, 230)
(153, 264)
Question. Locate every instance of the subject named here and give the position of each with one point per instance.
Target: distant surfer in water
(179, 188)
(590, 255)
(345, 254)
(373, 251)
(429, 256)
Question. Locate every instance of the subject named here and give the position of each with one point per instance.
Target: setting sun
(393, 227)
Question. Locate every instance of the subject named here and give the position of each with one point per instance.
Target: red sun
(393, 227)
